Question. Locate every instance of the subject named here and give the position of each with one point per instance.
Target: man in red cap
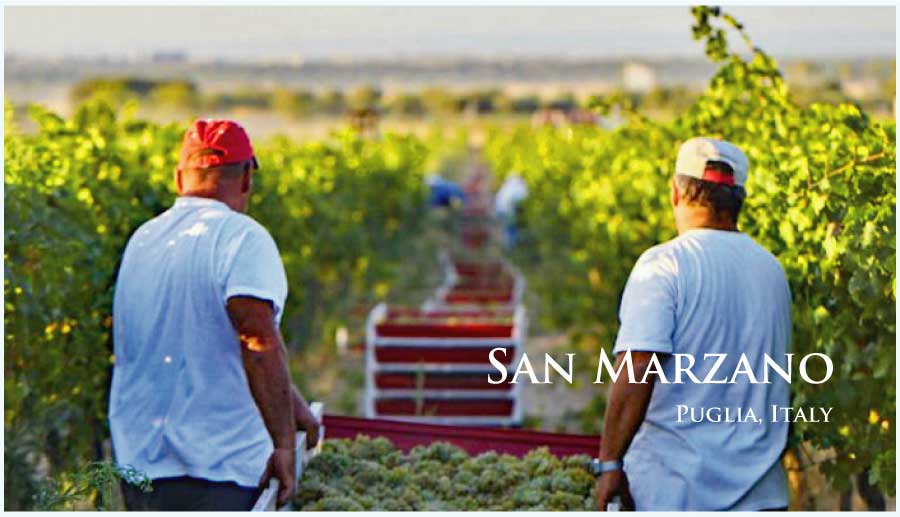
(201, 398)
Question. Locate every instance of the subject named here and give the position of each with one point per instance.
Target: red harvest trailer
(473, 440)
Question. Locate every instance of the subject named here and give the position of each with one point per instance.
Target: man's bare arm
(306, 421)
(626, 408)
(625, 411)
(265, 362)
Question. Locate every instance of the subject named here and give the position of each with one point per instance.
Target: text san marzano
(686, 369)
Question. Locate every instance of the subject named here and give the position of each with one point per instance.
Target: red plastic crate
(476, 291)
(469, 297)
(471, 276)
(473, 440)
(485, 282)
(462, 355)
(479, 268)
(446, 330)
(444, 407)
(408, 312)
(488, 276)
(439, 381)
(475, 235)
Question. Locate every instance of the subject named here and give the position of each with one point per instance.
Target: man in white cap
(711, 290)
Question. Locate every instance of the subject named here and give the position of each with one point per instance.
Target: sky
(366, 32)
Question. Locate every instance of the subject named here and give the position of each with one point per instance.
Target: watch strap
(599, 467)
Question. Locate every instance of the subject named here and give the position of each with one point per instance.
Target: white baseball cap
(696, 152)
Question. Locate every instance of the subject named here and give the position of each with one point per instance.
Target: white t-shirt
(180, 403)
(512, 192)
(708, 291)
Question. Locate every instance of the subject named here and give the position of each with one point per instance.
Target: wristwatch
(599, 467)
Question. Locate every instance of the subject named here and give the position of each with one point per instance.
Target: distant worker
(711, 290)
(443, 192)
(201, 398)
(506, 207)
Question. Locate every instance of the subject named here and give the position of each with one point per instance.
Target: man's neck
(703, 221)
(216, 194)
(207, 192)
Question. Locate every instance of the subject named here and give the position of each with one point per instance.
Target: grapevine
(346, 209)
(822, 198)
(341, 210)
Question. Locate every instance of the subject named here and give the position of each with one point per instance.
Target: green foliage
(97, 481)
(371, 474)
(342, 211)
(407, 105)
(117, 90)
(481, 101)
(439, 101)
(69, 206)
(333, 101)
(525, 104)
(293, 103)
(822, 198)
(365, 98)
(241, 98)
(176, 94)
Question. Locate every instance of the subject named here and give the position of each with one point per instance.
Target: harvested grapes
(372, 474)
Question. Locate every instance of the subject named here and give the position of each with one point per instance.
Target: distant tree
(115, 90)
(140, 86)
(242, 98)
(439, 101)
(525, 104)
(407, 104)
(179, 94)
(564, 102)
(365, 97)
(293, 103)
(502, 102)
(673, 99)
(481, 101)
(333, 101)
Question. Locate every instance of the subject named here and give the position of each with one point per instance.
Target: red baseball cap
(211, 143)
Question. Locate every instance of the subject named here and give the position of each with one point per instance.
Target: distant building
(860, 88)
(638, 77)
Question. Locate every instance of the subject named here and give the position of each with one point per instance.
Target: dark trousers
(190, 494)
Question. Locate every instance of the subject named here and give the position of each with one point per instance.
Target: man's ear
(673, 193)
(247, 178)
(179, 183)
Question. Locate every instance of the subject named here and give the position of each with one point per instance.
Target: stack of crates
(431, 364)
